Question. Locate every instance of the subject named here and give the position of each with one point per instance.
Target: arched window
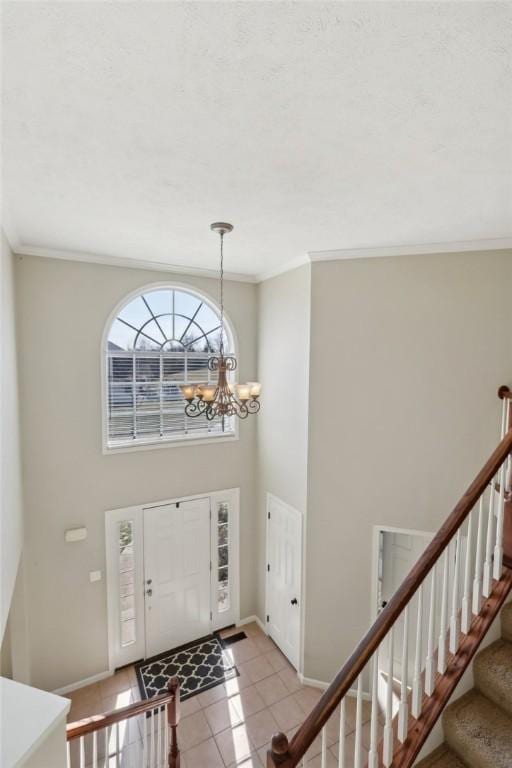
(158, 340)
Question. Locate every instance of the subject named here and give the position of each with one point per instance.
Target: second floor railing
(141, 735)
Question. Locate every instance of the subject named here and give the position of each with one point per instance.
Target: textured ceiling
(130, 126)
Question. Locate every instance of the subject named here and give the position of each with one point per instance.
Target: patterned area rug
(199, 666)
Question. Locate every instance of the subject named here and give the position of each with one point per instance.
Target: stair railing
(413, 656)
(143, 734)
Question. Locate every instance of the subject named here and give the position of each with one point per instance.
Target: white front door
(176, 574)
(284, 577)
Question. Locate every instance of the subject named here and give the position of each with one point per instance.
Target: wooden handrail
(289, 755)
(97, 722)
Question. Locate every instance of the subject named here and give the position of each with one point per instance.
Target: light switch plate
(95, 576)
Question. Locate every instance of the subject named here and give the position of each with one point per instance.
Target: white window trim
(116, 657)
(171, 442)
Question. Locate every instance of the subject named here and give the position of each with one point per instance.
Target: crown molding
(495, 244)
(340, 254)
(123, 261)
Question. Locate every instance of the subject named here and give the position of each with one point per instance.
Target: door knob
(294, 601)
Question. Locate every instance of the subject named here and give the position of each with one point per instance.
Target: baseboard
(323, 686)
(250, 620)
(82, 683)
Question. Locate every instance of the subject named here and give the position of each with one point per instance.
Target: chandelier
(223, 398)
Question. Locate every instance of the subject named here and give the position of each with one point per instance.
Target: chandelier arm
(195, 408)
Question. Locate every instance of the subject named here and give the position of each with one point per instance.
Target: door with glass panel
(172, 573)
(176, 574)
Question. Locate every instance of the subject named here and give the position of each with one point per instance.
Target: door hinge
(268, 567)
(211, 616)
(268, 617)
(211, 566)
(269, 515)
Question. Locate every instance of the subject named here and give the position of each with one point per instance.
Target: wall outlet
(95, 576)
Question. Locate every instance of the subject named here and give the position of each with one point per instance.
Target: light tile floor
(231, 724)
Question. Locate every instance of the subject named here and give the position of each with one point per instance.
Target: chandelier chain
(221, 293)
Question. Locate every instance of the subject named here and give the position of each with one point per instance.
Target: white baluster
(159, 737)
(417, 692)
(358, 745)
(106, 760)
(477, 581)
(94, 749)
(144, 726)
(403, 708)
(430, 667)
(498, 549)
(324, 747)
(454, 619)
(504, 416)
(387, 750)
(466, 596)
(151, 720)
(117, 746)
(373, 755)
(342, 734)
(68, 751)
(82, 751)
(441, 649)
(487, 580)
(166, 737)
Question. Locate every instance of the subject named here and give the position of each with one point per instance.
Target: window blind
(144, 399)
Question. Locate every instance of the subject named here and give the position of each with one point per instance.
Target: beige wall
(283, 362)
(63, 307)
(406, 357)
(11, 510)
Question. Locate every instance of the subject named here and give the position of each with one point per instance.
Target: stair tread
(443, 757)
(479, 732)
(493, 673)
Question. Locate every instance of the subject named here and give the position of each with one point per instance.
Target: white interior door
(284, 577)
(176, 574)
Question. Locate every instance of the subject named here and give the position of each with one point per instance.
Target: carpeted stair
(478, 726)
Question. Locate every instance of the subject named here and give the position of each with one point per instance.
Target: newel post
(278, 756)
(173, 718)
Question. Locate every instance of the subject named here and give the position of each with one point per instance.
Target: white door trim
(374, 609)
(135, 513)
(272, 497)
